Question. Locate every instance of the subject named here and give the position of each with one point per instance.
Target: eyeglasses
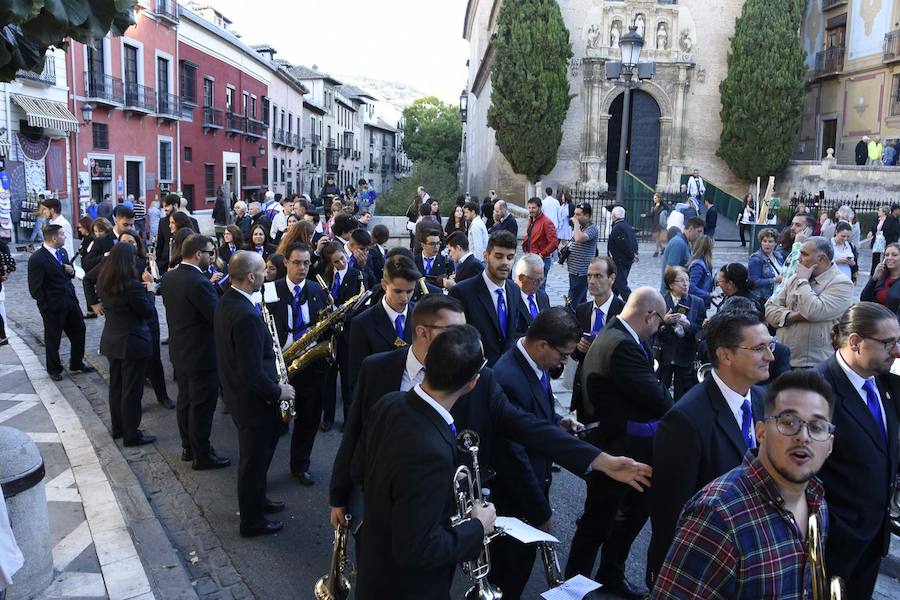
(210, 252)
(431, 243)
(298, 263)
(760, 349)
(889, 345)
(789, 424)
(534, 280)
(564, 355)
(662, 319)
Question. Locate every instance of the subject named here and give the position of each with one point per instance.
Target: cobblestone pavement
(198, 510)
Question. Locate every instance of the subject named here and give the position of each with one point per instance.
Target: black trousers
(744, 229)
(154, 364)
(256, 442)
(338, 372)
(684, 378)
(126, 388)
(195, 407)
(876, 258)
(859, 576)
(511, 565)
(57, 321)
(309, 387)
(614, 514)
(620, 285)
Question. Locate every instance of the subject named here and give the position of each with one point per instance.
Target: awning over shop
(4, 148)
(47, 113)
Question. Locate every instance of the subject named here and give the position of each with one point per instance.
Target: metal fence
(638, 209)
(859, 204)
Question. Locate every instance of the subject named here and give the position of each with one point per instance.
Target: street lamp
(262, 149)
(463, 105)
(87, 112)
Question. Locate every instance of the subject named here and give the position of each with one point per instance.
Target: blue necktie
(428, 263)
(532, 307)
(398, 325)
(875, 408)
(59, 257)
(747, 423)
(336, 286)
(545, 381)
(453, 430)
(501, 311)
(456, 267)
(598, 320)
(352, 262)
(298, 312)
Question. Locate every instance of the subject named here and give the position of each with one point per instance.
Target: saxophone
(823, 588)
(285, 406)
(423, 286)
(335, 585)
(551, 564)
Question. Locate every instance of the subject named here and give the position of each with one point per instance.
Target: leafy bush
(439, 182)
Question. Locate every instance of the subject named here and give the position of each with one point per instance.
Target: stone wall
(841, 181)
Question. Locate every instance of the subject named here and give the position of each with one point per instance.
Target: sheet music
(270, 292)
(525, 533)
(573, 589)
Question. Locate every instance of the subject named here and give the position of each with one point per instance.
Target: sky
(416, 42)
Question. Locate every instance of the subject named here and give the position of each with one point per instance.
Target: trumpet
(285, 406)
(423, 286)
(822, 587)
(335, 585)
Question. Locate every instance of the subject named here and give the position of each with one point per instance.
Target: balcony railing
(255, 128)
(296, 140)
(234, 123)
(892, 46)
(140, 97)
(212, 117)
(332, 143)
(345, 152)
(168, 106)
(47, 74)
(278, 136)
(829, 4)
(829, 62)
(167, 9)
(316, 139)
(103, 88)
(332, 158)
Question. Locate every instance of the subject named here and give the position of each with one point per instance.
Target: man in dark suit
(378, 251)
(430, 262)
(592, 316)
(624, 398)
(863, 463)
(503, 221)
(712, 217)
(623, 249)
(246, 360)
(465, 264)
(296, 305)
(492, 302)
(50, 274)
(123, 220)
(410, 549)
(358, 250)
(171, 203)
(529, 276)
(385, 325)
(190, 301)
(708, 432)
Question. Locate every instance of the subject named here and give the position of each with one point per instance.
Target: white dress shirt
(735, 401)
(445, 415)
(304, 308)
(413, 374)
(393, 314)
(478, 238)
(249, 297)
(631, 331)
(492, 290)
(604, 308)
(857, 381)
(550, 207)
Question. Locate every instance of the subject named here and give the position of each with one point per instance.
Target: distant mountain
(399, 95)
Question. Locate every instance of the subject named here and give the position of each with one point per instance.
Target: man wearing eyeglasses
(744, 535)
(530, 275)
(709, 430)
(430, 262)
(859, 473)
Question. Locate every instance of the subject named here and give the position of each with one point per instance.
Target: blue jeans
(577, 289)
(37, 232)
(547, 263)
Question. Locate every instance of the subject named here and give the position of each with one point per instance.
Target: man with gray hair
(503, 220)
(809, 303)
(623, 249)
(529, 274)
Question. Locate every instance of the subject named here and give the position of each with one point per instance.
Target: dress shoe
(326, 425)
(623, 589)
(4, 341)
(82, 368)
(187, 455)
(116, 435)
(209, 462)
(264, 528)
(305, 478)
(166, 403)
(270, 507)
(56, 376)
(140, 440)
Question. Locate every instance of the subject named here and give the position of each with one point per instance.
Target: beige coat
(821, 302)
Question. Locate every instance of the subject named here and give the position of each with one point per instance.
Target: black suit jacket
(508, 224)
(163, 236)
(619, 385)
(681, 351)
(891, 229)
(246, 361)
(622, 245)
(439, 267)
(408, 549)
(583, 314)
(481, 314)
(524, 322)
(48, 281)
(190, 301)
(372, 332)
(469, 268)
(697, 441)
(376, 262)
(278, 307)
(712, 217)
(95, 255)
(126, 330)
(859, 471)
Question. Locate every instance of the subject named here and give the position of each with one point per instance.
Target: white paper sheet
(79, 272)
(270, 292)
(523, 532)
(574, 589)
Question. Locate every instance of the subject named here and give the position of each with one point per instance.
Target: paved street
(198, 510)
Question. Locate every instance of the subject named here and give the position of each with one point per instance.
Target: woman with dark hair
(177, 241)
(747, 217)
(305, 233)
(734, 280)
(456, 222)
(259, 241)
(275, 267)
(876, 237)
(232, 240)
(86, 233)
(846, 259)
(700, 270)
(126, 340)
(179, 220)
(882, 287)
(658, 215)
(412, 215)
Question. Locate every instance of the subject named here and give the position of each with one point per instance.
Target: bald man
(624, 398)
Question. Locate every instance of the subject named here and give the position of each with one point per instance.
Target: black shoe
(326, 425)
(305, 478)
(116, 435)
(210, 461)
(187, 455)
(623, 589)
(270, 507)
(90, 315)
(164, 341)
(264, 528)
(4, 341)
(141, 440)
(56, 376)
(655, 254)
(166, 403)
(82, 368)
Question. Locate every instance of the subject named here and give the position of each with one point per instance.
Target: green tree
(437, 179)
(31, 27)
(433, 131)
(530, 84)
(762, 95)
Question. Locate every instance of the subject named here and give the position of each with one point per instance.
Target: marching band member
(530, 275)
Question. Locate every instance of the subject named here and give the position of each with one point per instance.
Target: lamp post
(463, 105)
(630, 46)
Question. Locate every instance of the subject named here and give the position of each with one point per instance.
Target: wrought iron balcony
(235, 123)
(167, 9)
(47, 74)
(332, 158)
(345, 152)
(139, 97)
(892, 46)
(254, 128)
(829, 62)
(212, 117)
(316, 139)
(168, 106)
(278, 136)
(296, 141)
(103, 89)
(332, 143)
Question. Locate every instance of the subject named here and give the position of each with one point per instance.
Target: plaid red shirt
(736, 540)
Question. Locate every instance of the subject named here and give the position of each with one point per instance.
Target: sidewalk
(106, 541)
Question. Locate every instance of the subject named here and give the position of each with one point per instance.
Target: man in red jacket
(540, 237)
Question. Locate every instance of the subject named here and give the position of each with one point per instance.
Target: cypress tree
(762, 95)
(530, 85)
